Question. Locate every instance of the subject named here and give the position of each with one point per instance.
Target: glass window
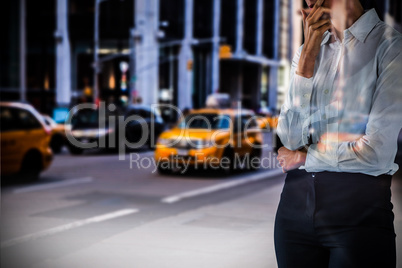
(139, 112)
(224, 122)
(7, 120)
(243, 121)
(145, 114)
(17, 119)
(27, 120)
(86, 118)
(205, 121)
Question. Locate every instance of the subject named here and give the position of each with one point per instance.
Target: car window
(47, 121)
(132, 112)
(224, 122)
(145, 114)
(7, 120)
(252, 123)
(205, 121)
(27, 120)
(86, 118)
(17, 119)
(243, 121)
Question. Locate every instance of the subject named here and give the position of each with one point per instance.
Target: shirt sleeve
(293, 120)
(373, 151)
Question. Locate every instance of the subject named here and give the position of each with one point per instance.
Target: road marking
(221, 186)
(66, 227)
(52, 185)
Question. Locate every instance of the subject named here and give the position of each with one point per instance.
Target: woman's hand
(314, 28)
(290, 159)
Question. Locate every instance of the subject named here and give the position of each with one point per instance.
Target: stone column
(260, 20)
(63, 60)
(273, 74)
(239, 27)
(147, 50)
(215, 46)
(186, 58)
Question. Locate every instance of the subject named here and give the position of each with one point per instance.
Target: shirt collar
(325, 38)
(361, 28)
(364, 25)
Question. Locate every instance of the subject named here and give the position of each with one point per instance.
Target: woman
(339, 127)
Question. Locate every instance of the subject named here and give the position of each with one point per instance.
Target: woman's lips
(311, 6)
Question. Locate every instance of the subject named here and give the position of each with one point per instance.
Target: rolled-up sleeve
(373, 151)
(293, 120)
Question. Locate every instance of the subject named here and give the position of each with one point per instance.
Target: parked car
(209, 137)
(25, 140)
(86, 128)
(58, 139)
(89, 126)
(150, 119)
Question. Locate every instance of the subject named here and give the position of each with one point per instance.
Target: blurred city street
(94, 211)
(195, 83)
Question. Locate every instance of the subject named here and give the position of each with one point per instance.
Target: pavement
(233, 234)
(92, 211)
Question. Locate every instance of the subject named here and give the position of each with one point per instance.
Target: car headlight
(77, 133)
(104, 131)
(200, 144)
(93, 133)
(163, 141)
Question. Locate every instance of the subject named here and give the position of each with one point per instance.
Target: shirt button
(306, 96)
(324, 117)
(326, 91)
(303, 106)
(306, 84)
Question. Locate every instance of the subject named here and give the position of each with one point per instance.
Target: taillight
(48, 130)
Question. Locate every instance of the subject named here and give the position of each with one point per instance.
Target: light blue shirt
(356, 89)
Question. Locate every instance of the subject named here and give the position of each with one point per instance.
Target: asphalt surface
(94, 210)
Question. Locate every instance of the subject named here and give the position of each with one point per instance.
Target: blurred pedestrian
(339, 127)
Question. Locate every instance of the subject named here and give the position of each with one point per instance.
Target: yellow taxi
(224, 139)
(267, 122)
(58, 137)
(24, 140)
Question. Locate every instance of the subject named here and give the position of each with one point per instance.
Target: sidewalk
(234, 234)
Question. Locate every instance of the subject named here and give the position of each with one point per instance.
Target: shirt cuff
(301, 94)
(317, 161)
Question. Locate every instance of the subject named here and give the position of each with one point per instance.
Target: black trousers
(335, 220)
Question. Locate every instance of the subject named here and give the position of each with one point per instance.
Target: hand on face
(290, 159)
(315, 24)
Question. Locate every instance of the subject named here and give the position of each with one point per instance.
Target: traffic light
(225, 52)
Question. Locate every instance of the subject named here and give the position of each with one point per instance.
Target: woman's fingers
(320, 23)
(324, 28)
(316, 16)
(317, 5)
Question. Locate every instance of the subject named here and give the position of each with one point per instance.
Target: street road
(94, 210)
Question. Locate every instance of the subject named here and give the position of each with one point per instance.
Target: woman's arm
(293, 120)
(375, 151)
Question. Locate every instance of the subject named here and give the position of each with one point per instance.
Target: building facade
(60, 52)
